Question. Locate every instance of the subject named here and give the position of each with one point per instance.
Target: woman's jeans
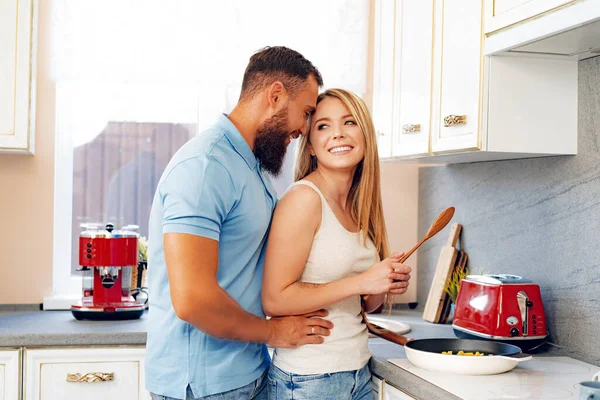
(347, 385)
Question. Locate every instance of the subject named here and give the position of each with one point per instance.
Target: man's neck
(245, 122)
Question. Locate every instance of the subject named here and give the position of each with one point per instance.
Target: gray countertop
(59, 328)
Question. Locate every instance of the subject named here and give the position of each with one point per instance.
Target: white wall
(26, 196)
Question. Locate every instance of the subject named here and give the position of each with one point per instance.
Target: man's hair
(277, 63)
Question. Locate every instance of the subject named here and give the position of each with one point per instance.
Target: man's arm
(192, 263)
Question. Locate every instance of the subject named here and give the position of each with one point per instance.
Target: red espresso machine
(107, 257)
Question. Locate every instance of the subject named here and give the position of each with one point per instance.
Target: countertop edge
(73, 339)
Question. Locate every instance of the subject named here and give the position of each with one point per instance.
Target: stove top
(545, 378)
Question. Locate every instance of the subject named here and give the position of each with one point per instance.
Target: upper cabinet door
(502, 13)
(383, 76)
(458, 68)
(18, 22)
(413, 65)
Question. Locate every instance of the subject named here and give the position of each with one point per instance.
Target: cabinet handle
(91, 377)
(452, 120)
(410, 128)
(380, 133)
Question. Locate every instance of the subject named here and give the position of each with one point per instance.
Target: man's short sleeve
(197, 195)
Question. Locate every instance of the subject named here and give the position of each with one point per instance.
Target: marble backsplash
(539, 218)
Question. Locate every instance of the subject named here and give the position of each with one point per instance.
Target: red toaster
(506, 308)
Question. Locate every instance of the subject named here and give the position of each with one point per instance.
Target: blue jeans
(347, 385)
(256, 390)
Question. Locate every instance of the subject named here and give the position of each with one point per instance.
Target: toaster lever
(524, 304)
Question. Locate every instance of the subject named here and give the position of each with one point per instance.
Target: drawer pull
(410, 128)
(452, 120)
(91, 377)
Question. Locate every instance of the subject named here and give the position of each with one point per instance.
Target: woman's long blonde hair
(365, 192)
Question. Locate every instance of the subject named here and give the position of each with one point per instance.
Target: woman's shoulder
(302, 195)
(299, 208)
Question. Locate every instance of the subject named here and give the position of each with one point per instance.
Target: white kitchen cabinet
(384, 391)
(503, 13)
(457, 79)
(499, 107)
(90, 373)
(10, 384)
(18, 30)
(377, 385)
(403, 38)
(412, 77)
(383, 76)
(392, 393)
(481, 107)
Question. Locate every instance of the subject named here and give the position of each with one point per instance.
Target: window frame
(66, 289)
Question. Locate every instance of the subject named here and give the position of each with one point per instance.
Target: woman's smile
(341, 150)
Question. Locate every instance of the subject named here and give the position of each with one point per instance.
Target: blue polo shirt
(213, 187)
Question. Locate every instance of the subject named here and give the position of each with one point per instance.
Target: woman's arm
(373, 302)
(296, 220)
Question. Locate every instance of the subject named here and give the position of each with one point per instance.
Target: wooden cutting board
(461, 262)
(443, 270)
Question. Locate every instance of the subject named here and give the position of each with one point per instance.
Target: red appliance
(106, 257)
(506, 308)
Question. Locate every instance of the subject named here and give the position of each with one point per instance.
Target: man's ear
(276, 95)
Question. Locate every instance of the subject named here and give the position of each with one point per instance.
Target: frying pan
(427, 354)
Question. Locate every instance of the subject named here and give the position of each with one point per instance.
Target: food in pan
(464, 353)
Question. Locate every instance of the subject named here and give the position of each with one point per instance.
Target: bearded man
(208, 231)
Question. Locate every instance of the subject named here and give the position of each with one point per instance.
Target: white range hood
(571, 33)
(580, 43)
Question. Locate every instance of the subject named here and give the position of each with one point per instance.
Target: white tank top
(336, 253)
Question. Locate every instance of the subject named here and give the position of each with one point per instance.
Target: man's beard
(270, 143)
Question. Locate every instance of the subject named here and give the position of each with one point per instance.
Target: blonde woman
(327, 247)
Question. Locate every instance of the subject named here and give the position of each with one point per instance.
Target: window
(135, 79)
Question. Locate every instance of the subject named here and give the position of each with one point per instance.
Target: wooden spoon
(440, 222)
(387, 334)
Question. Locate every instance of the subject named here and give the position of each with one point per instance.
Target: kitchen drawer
(90, 373)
